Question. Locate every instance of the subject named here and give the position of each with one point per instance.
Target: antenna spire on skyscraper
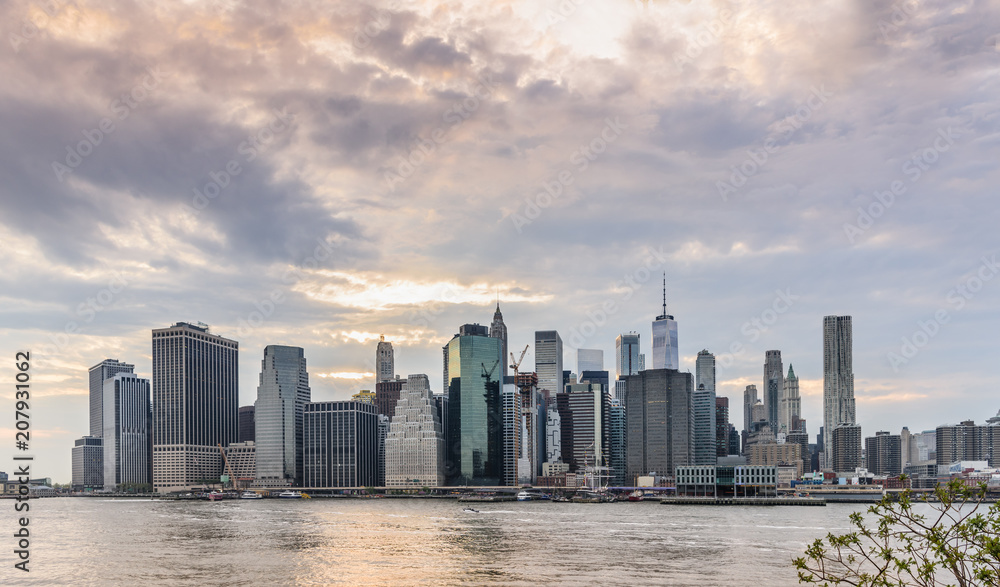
(664, 293)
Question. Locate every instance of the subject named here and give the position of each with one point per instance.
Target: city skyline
(298, 195)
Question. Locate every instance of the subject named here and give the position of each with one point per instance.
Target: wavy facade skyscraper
(838, 385)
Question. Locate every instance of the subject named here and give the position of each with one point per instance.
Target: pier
(802, 501)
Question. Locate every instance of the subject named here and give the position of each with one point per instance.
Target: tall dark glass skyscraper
(195, 400)
(475, 423)
(660, 421)
(282, 394)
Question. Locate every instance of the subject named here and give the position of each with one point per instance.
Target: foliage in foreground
(958, 544)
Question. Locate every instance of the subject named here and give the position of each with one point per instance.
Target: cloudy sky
(317, 174)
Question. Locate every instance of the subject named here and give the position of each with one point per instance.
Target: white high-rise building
(549, 361)
(589, 360)
(414, 447)
(665, 353)
(282, 393)
(838, 384)
(628, 360)
(385, 369)
(703, 405)
(126, 431)
(791, 402)
(553, 436)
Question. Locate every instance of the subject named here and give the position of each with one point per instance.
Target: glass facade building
(106, 369)
(126, 431)
(475, 419)
(282, 393)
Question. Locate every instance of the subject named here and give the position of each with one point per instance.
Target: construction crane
(229, 468)
(528, 409)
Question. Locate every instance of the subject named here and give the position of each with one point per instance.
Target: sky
(318, 174)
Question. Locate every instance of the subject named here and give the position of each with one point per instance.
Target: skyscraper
(589, 360)
(386, 396)
(385, 369)
(721, 426)
(499, 330)
(126, 431)
(549, 361)
(882, 454)
(106, 369)
(846, 440)
(791, 403)
(195, 399)
(665, 354)
(246, 423)
(340, 444)
(553, 435)
(583, 415)
(282, 394)
(774, 384)
(659, 421)
(414, 447)
(749, 399)
(475, 414)
(838, 384)
(617, 438)
(703, 405)
(627, 355)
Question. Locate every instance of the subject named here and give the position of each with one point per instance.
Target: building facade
(549, 361)
(282, 394)
(660, 422)
(838, 383)
(777, 454)
(627, 361)
(242, 457)
(665, 352)
(583, 415)
(414, 447)
(846, 446)
(475, 415)
(88, 464)
(498, 330)
(721, 426)
(246, 432)
(127, 448)
(340, 444)
(703, 404)
(589, 360)
(106, 369)
(774, 384)
(386, 395)
(791, 403)
(883, 454)
(385, 367)
(195, 403)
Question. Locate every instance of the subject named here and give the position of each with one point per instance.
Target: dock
(801, 501)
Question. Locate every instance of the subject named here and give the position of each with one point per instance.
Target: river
(96, 541)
